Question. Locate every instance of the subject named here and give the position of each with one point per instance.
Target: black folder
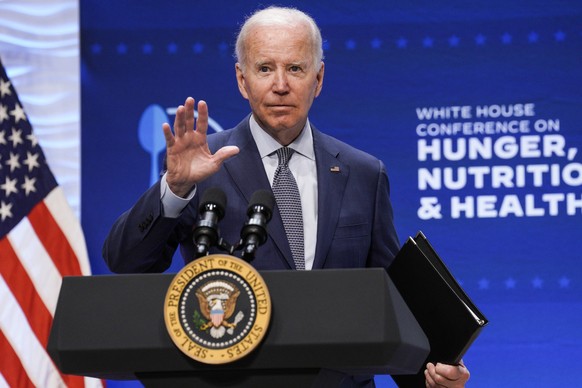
(448, 317)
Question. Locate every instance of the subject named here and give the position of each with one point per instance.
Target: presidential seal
(217, 309)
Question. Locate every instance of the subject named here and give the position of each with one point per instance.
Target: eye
(295, 69)
(263, 69)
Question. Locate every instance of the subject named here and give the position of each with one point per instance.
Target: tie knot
(284, 154)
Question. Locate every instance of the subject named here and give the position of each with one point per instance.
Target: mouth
(280, 106)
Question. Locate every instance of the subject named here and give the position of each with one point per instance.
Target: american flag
(40, 242)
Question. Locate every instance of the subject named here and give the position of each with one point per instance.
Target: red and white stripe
(35, 255)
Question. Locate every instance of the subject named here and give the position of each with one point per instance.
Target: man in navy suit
(346, 212)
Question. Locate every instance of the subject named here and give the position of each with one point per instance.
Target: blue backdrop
(474, 108)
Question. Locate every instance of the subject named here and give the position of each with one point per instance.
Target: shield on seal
(216, 313)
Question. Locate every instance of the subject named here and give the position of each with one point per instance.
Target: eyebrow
(302, 64)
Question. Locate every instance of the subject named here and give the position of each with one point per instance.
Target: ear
(319, 79)
(240, 79)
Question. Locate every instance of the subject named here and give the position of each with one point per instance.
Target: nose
(280, 82)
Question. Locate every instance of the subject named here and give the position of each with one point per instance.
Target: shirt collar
(267, 145)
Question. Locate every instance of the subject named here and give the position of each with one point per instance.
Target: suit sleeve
(142, 239)
(384, 245)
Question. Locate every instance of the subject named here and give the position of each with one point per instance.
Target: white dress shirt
(302, 165)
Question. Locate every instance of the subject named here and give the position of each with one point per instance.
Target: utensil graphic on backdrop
(151, 136)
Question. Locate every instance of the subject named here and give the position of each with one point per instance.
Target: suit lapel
(246, 169)
(248, 174)
(332, 176)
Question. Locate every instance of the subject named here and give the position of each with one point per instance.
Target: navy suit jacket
(355, 218)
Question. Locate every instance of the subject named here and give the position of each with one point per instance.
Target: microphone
(211, 211)
(254, 232)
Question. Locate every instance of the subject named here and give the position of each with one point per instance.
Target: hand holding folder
(448, 317)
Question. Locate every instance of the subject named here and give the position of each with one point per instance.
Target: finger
(225, 152)
(433, 379)
(189, 114)
(168, 134)
(458, 374)
(428, 379)
(202, 121)
(179, 121)
(449, 372)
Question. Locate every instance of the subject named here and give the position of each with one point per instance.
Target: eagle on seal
(217, 300)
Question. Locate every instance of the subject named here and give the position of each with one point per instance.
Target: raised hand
(188, 157)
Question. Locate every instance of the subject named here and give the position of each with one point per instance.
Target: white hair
(279, 16)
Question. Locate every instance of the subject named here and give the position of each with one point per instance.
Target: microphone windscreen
(214, 196)
(263, 198)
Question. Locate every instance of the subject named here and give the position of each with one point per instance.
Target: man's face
(280, 79)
